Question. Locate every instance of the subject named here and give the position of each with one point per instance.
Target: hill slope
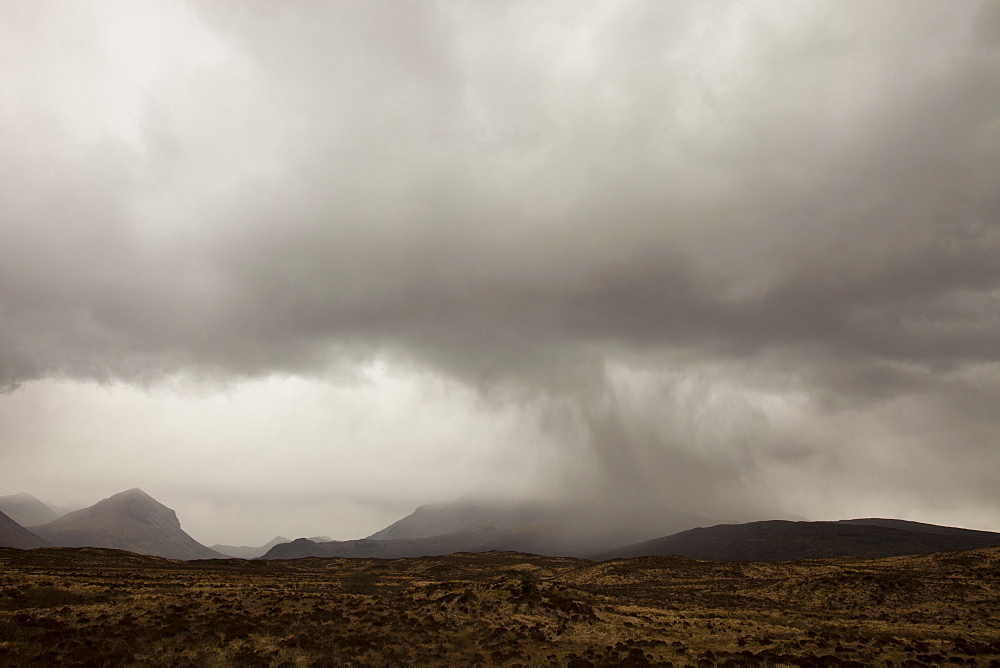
(26, 510)
(779, 540)
(13, 534)
(130, 520)
(921, 527)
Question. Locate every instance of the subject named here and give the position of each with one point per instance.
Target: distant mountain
(481, 526)
(131, 520)
(26, 510)
(63, 509)
(13, 534)
(244, 552)
(779, 540)
(549, 528)
(445, 518)
(478, 539)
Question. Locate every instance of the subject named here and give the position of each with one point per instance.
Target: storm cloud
(722, 254)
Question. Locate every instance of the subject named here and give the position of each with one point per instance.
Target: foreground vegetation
(90, 606)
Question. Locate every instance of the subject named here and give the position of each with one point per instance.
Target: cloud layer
(775, 223)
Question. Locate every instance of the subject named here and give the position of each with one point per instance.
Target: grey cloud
(870, 228)
(803, 195)
(390, 222)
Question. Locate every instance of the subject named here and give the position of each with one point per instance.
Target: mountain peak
(130, 520)
(139, 504)
(134, 493)
(26, 510)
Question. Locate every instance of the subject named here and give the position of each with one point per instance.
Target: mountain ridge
(767, 540)
(477, 539)
(27, 510)
(131, 520)
(782, 540)
(549, 528)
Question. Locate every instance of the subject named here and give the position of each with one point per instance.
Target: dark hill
(13, 534)
(920, 527)
(778, 540)
(131, 520)
(26, 510)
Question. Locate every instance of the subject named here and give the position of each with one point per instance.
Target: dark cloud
(801, 198)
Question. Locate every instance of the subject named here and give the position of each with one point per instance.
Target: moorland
(94, 606)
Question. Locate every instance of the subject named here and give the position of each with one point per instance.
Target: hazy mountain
(26, 510)
(480, 526)
(13, 534)
(779, 540)
(64, 509)
(131, 520)
(556, 529)
(475, 539)
(445, 518)
(245, 552)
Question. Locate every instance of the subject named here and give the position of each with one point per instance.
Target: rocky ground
(107, 607)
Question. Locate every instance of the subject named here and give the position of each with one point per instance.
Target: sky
(297, 268)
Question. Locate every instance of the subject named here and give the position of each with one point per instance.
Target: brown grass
(105, 607)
